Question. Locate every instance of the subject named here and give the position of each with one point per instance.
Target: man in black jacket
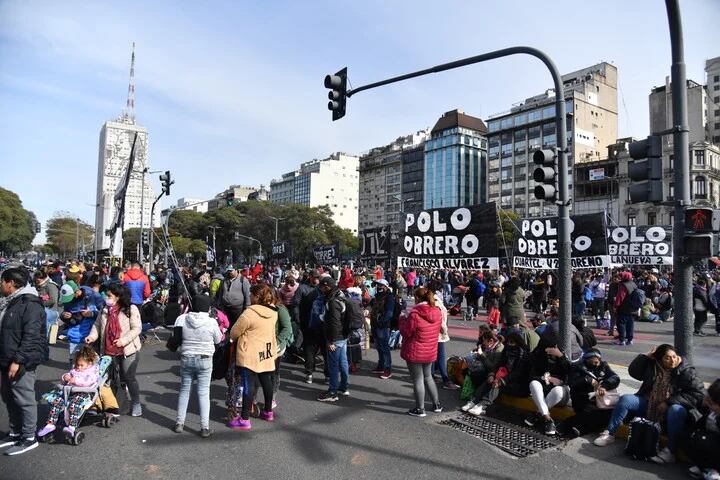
(335, 339)
(23, 346)
(301, 309)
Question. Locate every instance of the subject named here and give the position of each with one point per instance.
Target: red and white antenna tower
(129, 113)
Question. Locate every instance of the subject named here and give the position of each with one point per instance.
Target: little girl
(84, 374)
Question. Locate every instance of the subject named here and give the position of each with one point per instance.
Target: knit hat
(593, 352)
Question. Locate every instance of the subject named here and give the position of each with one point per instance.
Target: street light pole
(276, 225)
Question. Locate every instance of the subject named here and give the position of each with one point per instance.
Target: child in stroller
(75, 394)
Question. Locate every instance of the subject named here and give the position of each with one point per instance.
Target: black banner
(642, 245)
(536, 245)
(326, 254)
(374, 244)
(281, 249)
(461, 238)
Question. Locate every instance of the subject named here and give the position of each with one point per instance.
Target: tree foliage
(66, 234)
(17, 225)
(507, 230)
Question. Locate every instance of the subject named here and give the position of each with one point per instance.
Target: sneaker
(629, 342)
(328, 397)
(268, 416)
(604, 439)
(70, 431)
(619, 342)
(205, 433)
(477, 410)
(378, 370)
(178, 428)
(550, 428)
(437, 408)
(238, 423)
(695, 472)
(467, 406)
(308, 378)
(62, 337)
(449, 385)
(136, 410)
(699, 334)
(274, 404)
(9, 440)
(344, 393)
(664, 456)
(22, 446)
(416, 412)
(386, 374)
(46, 430)
(532, 420)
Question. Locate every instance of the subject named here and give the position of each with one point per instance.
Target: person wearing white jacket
(443, 338)
(197, 333)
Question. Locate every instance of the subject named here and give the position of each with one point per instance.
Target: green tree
(66, 234)
(188, 223)
(507, 229)
(17, 225)
(184, 246)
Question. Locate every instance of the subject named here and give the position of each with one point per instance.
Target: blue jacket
(79, 326)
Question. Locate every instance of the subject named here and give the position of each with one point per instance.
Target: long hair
(123, 295)
(263, 294)
(423, 294)
(661, 350)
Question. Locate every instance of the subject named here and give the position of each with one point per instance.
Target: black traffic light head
(145, 237)
(650, 147)
(701, 220)
(647, 173)
(38, 227)
(545, 174)
(166, 182)
(338, 93)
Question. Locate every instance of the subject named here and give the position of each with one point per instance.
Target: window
(700, 187)
(631, 220)
(672, 161)
(534, 116)
(716, 88)
(671, 192)
(700, 157)
(716, 78)
(651, 218)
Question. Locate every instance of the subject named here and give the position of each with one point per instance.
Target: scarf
(5, 301)
(113, 332)
(659, 393)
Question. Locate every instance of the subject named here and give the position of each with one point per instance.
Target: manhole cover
(512, 439)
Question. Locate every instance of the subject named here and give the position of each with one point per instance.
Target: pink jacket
(420, 331)
(85, 378)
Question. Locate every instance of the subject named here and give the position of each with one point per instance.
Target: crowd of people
(240, 323)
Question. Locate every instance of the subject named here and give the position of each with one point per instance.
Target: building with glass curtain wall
(455, 159)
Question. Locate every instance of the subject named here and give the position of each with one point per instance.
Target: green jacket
(283, 329)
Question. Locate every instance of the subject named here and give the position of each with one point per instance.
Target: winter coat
(551, 337)
(382, 309)
(420, 330)
(542, 363)
(686, 389)
(283, 329)
(23, 331)
(130, 329)
(514, 305)
(333, 320)
(138, 284)
(302, 303)
(254, 333)
(701, 303)
(200, 333)
(49, 294)
(79, 326)
(516, 360)
(234, 293)
(624, 290)
(287, 292)
(580, 382)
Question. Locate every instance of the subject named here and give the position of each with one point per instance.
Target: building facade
(660, 105)
(412, 189)
(193, 204)
(455, 160)
(332, 181)
(712, 84)
(591, 109)
(381, 182)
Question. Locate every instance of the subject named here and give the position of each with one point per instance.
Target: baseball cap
(67, 292)
(382, 282)
(229, 268)
(327, 282)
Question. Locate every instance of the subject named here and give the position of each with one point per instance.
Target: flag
(119, 198)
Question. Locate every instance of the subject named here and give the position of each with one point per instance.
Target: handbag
(643, 441)
(607, 401)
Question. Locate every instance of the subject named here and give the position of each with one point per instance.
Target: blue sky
(231, 91)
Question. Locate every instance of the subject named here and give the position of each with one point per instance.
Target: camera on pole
(338, 93)
(648, 172)
(166, 182)
(545, 174)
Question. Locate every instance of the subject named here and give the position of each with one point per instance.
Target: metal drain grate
(512, 439)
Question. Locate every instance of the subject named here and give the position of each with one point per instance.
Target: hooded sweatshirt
(254, 333)
(138, 284)
(200, 333)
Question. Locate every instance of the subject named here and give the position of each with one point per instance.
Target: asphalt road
(367, 435)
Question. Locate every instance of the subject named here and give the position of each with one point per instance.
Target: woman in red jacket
(420, 330)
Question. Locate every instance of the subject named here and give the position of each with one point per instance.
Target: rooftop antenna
(129, 113)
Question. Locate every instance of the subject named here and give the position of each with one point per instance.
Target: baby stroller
(108, 419)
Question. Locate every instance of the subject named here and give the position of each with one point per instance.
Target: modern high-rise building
(332, 181)
(455, 159)
(712, 84)
(591, 109)
(116, 140)
(413, 178)
(381, 196)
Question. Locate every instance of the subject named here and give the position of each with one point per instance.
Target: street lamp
(276, 224)
(142, 211)
(252, 240)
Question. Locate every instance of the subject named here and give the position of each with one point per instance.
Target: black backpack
(642, 443)
(400, 305)
(353, 317)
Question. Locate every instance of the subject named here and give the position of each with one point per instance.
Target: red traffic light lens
(698, 219)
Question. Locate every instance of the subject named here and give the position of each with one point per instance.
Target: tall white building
(332, 181)
(116, 140)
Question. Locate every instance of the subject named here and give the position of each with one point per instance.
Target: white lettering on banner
(577, 263)
(478, 263)
(639, 249)
(433, 245)
(622, 235)
(641, 260)
(539, 228)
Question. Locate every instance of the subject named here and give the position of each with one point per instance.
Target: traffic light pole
(682, 265)
(564, 201)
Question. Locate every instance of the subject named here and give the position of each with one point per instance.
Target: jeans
(51, 319)
(74, 347)
(440, 363)
(653, 317)
(195, 367)
(422, 379)
(338, 366)
(675, 418)
(626, 326)
(19, 397)
(382, 337)
(665, 315)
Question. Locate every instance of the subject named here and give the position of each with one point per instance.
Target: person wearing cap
(335, 339)
(301, 313)
(234, 294)
(79, 312)
(382, 309)
(196, 333)
(588, 379)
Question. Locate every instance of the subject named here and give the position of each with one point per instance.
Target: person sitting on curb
(548, 387)
(669, 390)
(703, 443)
(588, 379)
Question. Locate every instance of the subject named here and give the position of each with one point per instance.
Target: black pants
(266, 382)
(588, 421)
(233, 313)
(312, 343)
(700, 320)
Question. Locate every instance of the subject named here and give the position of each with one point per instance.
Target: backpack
(353, 317)
(635, 298)
(400, 305)
(642, 442)
(587, 294)
(479, 289)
